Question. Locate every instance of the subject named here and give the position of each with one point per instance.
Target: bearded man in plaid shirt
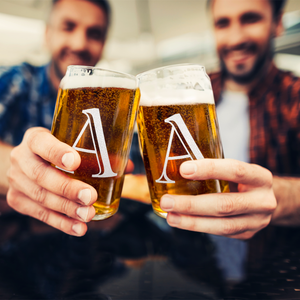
(258, 108)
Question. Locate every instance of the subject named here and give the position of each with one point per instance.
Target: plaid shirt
(274, 106)
(27, 99)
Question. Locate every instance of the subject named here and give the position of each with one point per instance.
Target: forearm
(287, 193)
(5, 150)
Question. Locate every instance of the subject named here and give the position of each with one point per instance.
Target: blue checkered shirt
(27, 99)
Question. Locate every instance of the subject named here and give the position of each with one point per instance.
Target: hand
(237, 214)
(41, 191)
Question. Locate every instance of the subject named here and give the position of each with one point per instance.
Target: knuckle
(65, 187)
(14, 155)
(265, 222)
(31, 135)
(239, 170)
(52, 152)
(230, 227)
(43, 215)
(271, 205)
(188, 205)
(11, 199)
(225, 205)
(64, 208)
(39, 195)
(269, 179)
(39, 172)
(10, 177)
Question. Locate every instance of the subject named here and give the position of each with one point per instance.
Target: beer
(177, 126)
(97, 119)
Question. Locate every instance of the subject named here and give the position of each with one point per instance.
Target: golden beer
(184, 129)
(98, 122)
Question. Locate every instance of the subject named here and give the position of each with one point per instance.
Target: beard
(258, 67)
(58, 73)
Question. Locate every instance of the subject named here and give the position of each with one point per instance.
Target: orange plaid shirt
(274, 107)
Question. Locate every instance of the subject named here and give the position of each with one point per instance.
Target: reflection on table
(136, 255)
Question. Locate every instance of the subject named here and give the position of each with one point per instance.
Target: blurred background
(144, 34)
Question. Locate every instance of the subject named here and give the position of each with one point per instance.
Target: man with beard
(258, 108)
(75, 35)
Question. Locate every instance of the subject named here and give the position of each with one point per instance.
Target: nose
(236, 35)
(78, 41)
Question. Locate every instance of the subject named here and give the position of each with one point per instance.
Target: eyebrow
(247, 15)
(251, 14)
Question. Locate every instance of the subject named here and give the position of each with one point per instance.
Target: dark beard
(257, 69)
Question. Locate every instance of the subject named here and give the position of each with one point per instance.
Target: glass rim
(138, 76)
(102, 69)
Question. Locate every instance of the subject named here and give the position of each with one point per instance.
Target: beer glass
(177, 122)
(95, 114)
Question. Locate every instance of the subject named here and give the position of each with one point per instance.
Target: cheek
(96, 50)
(260, 35)
(57, 43)
(221, 39)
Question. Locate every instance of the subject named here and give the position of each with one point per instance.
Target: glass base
(102, 217)
(161, 214)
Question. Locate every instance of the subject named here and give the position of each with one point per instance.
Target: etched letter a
(186, 139)
(100, 149)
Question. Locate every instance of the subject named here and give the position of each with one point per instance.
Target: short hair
(277, 7)
(102, 4)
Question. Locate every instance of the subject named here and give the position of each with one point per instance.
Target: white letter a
(186, 139)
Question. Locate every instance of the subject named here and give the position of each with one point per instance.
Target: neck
(231, 85)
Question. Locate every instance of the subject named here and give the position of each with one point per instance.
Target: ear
(279, 26)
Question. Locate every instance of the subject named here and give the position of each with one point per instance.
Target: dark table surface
(136, 255)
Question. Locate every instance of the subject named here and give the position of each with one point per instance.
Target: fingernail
(85, 196)
(68, 160)
(83, 212)
(188, 168)
(77, 228)
(167, 203)
(174, 219)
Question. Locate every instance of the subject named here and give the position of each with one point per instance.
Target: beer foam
(155, 97)
(76, 82)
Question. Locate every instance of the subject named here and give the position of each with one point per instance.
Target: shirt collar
(217, 80)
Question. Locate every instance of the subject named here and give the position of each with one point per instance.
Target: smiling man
(75, 35)
(258, 109)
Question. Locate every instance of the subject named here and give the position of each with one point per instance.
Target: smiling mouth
(239, 56)
(239, 53)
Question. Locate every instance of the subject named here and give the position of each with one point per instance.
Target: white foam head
(152, 95)
(100, 78)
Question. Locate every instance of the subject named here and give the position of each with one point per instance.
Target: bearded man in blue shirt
(75, 35)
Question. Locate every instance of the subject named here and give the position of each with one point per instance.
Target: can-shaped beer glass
(95, 114)
(177, 122)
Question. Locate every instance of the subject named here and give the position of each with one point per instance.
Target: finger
(241, 226)
(24, 205)
(56, 181)
(52, 201)
(41, 142)
(226, 169)
(220, 204)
